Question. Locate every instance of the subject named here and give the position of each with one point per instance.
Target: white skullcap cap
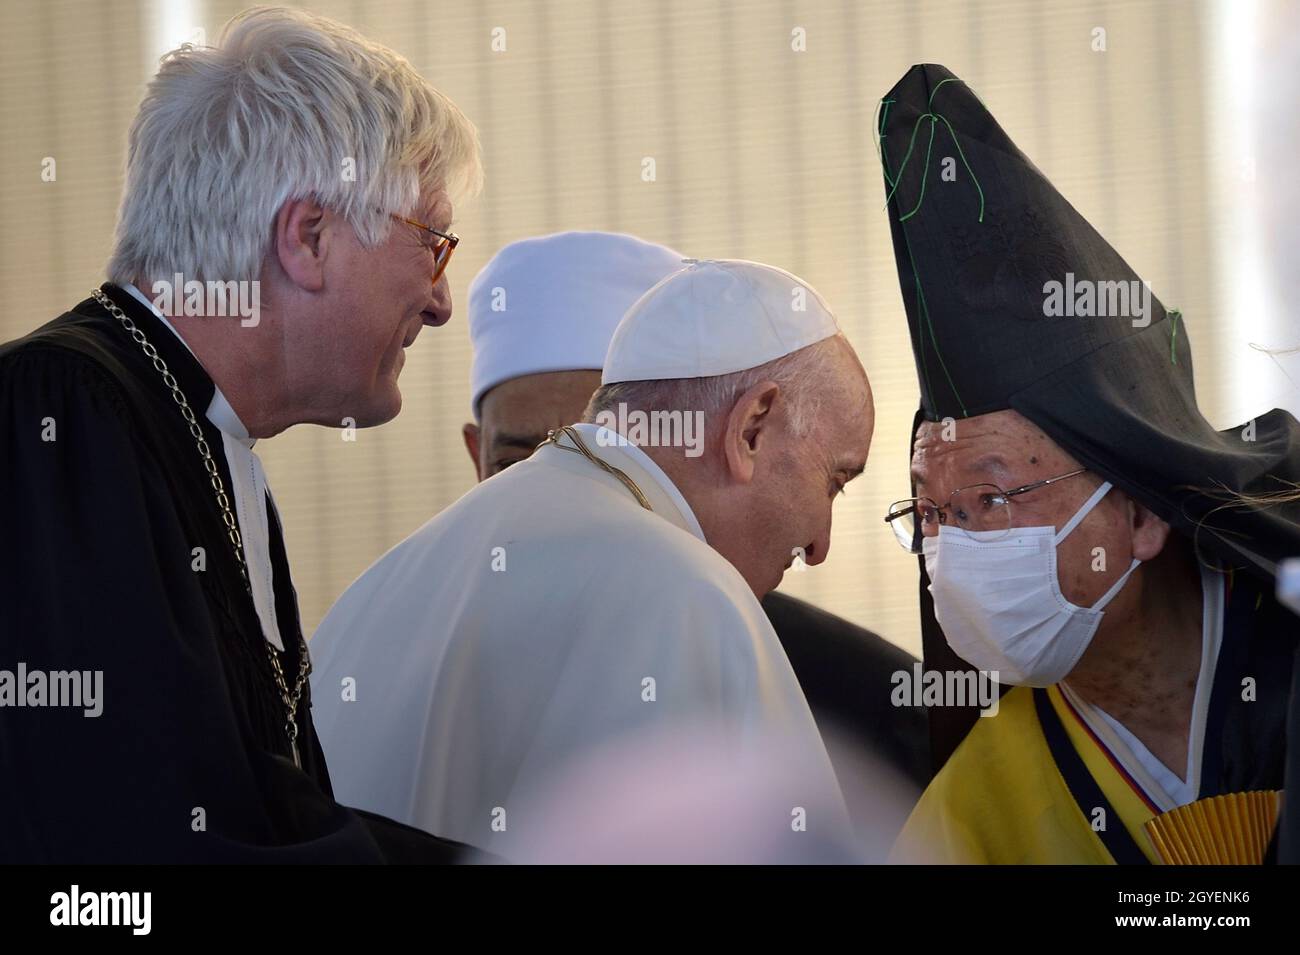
(715, 317)
(551, 303)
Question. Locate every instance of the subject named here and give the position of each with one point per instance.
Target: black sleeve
(96, 582)
(846, 673)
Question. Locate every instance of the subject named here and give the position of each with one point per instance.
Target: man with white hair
(608, 585)
(282, 238)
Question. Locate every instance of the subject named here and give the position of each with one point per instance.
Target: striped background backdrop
(761, 152)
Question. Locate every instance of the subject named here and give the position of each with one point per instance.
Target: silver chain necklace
(290, 700)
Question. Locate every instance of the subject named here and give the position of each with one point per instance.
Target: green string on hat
(934, 119)
(893, 181)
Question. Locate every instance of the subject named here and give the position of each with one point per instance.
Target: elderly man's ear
(748, 429)
(1149, 532)
(470, 433)
(300, 242)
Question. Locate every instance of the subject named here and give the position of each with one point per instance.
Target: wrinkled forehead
(1001, 447)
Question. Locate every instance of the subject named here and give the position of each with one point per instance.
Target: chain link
(289, 699)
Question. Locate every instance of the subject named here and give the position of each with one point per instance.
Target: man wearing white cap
(581, 595)
(541, 314)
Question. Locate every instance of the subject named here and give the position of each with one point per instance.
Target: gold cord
(552, 437)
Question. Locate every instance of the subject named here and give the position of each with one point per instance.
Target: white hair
(804, 378)
(284, 107)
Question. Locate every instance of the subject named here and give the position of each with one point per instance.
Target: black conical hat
(982, 240)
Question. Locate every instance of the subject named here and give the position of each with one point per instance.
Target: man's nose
(439, 310)
(816, 550)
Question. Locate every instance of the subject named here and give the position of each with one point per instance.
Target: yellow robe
(1000, 798)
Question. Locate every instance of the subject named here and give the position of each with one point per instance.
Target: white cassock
(543, 615)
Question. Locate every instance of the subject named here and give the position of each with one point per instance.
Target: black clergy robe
(846, 672)
(103, 501)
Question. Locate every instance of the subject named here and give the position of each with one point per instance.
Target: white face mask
(1000, 604)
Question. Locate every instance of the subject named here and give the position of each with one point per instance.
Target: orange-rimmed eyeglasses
(441, 244)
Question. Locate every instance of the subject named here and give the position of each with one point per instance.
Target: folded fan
(1232, 829)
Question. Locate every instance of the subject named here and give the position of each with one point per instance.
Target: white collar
(249, 492)
(219, 412)
(658, 488)
(1165, 787)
